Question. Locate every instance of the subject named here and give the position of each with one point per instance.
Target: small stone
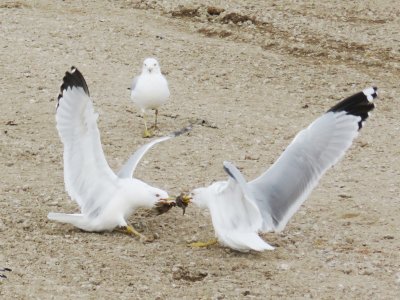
(214, 11)
(284, 267)
(367, 272)
(143, 288)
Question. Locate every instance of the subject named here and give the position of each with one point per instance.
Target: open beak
(168, 199)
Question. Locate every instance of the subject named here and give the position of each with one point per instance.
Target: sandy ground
(253, 75)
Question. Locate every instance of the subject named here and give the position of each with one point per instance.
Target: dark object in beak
(183, 201)
(163, 206)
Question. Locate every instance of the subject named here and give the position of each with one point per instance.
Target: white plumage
(106, 200)
(149, 90)
(240, 210)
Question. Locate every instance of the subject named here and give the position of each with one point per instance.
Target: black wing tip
(227, 170)
(359, 104)
(72, 78)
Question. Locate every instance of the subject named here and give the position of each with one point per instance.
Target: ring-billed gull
(106, 199)
(240, 210)
(149, 91)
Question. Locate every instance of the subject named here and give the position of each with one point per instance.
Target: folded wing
(280, 191)
(88, 178)
(236, 218)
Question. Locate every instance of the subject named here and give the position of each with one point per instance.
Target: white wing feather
(88, 178)
(129, 167)
(236, 218)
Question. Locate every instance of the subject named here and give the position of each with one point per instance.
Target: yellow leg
(132, 231)
(154, 126)
(155, 121)
(147, 133)
(203, 244)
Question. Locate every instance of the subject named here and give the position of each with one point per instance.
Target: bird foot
(148, 133)
(203, 244)
(132, 231)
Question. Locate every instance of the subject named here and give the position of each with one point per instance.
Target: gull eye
(157, 195)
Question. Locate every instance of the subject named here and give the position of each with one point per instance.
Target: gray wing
(236, 175)
(280, 191)
(129, 167)
(134, 82)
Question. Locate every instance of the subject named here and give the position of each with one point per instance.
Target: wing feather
(236, 218)
(280, 191)
(129, 167)
(88, 177)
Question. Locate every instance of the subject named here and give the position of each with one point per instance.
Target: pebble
(284, 267)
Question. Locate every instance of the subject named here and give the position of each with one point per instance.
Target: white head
(157, 194)
(202, 196)
(144, 195)
(151, 66)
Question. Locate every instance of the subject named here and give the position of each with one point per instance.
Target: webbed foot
(203, 244)
(148, 133)
(132, 231)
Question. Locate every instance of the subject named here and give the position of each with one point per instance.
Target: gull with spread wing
(240, 210)
(105, 199)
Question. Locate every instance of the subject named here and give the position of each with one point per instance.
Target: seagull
(149, 91)
(105, 199)
(241, 210)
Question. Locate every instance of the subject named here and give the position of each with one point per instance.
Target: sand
(250, 75)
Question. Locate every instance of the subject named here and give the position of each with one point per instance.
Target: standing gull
(149, 91)
(240, 210)
(106, 199)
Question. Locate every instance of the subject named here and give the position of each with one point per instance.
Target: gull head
(151, 66)
(158, 194)
(202, 197)
(144, 195)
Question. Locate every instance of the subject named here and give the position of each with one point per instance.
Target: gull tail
(243, 241)
(78, 220)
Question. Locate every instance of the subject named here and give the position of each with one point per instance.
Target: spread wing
(88, 178)
(281, 190)
(129, 167)
(236, 218)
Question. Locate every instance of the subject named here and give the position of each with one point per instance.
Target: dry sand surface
(251, 76)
